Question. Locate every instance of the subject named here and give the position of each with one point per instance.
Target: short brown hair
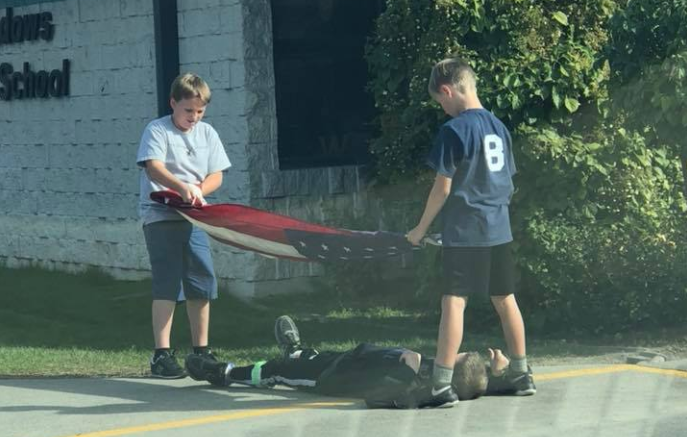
(452, 71)
(470, 377)
(190, 86)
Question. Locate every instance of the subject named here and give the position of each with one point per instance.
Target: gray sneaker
(287, 335)
(522, 383)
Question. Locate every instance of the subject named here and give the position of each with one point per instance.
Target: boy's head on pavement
(453, 85)
(470, 377)
(188, 97)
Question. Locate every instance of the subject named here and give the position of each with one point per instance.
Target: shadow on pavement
(118, 396)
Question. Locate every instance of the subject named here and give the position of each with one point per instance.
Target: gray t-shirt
(190, 156)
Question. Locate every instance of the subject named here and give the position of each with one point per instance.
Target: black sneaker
(205, 367)
(208, 354)
(522, 383)
(287, 335)
(165, 366)
(441, 397)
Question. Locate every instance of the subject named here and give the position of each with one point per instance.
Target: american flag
(279, 236)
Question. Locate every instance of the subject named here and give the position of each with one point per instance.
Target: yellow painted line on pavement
(583, 372)
(657, 371)
(211, 419)
(609, 369)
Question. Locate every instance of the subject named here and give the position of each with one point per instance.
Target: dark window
(324, 112)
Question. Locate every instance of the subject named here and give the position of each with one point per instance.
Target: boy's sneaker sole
(158, 376)
(287, 335)
(528, 392)
(523, 385)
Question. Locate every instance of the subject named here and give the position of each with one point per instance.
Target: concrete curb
(646, 357)
(671, 365)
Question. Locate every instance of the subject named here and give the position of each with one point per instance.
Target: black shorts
(472, 271)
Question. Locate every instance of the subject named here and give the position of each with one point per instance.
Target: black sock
(242, 374)
(161, 351)
(201, 350)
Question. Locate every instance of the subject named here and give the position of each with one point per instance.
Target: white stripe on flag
(256, 243)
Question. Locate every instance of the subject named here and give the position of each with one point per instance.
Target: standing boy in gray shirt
(184, 154)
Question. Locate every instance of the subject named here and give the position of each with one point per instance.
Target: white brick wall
(67, 166)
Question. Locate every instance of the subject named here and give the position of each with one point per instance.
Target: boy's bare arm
(498, 362)
(412, 360)
(437, 197)
(211, 183)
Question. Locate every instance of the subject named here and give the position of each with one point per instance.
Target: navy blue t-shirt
(474, 149)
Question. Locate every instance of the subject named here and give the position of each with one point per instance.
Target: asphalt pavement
(606, 400)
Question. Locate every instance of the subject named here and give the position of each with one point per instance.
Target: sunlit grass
(57, 324)
(370, 313)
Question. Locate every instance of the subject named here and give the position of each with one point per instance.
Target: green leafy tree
(537, 61)
(648, 53)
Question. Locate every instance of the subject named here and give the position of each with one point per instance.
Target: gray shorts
(181, 261)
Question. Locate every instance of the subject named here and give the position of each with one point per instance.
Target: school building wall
(68, 177)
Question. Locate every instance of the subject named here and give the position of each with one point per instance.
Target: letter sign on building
(25, 83)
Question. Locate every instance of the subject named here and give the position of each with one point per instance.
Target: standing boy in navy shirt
(473, 158)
